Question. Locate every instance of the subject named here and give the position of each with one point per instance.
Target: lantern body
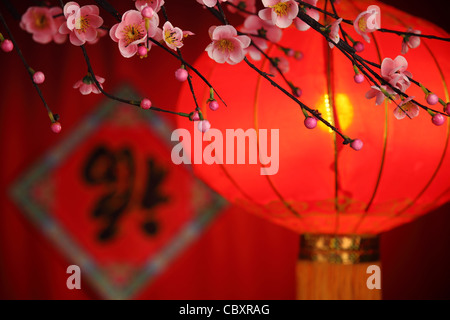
(323, 186)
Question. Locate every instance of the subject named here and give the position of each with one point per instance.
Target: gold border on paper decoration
(339, 249)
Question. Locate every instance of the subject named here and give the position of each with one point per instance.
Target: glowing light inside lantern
(343, 108)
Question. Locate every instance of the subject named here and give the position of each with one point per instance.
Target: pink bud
(146, 104)
(213, 105)
(438, 119)
(194, 116)
(38, 77)
(7, 45)
(56, 127)
(310, 122)
(358, 46)
(298, 92)
(147, 12)
(290, 53)
(447, 108)
(432, 99)
(181, 74)
(142, 51)
(204, 126)
(356, 144)
(298, 55)
(358, 78)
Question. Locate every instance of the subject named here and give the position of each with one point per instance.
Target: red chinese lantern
(337, 198)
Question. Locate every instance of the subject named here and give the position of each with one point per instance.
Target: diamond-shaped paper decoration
(110, 198)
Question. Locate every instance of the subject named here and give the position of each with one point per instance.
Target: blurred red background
(239, 256)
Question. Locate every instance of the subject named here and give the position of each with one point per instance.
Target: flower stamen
(133, 32)
(281, 9)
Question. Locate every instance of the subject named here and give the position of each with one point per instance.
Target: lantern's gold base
(336, 267)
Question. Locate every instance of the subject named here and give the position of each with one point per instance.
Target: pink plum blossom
(82, 23)
(334, 32)
(254, 53)
(379, 95)
(267, 29)
(173, 36)
(100, 33)
(406, 107)
(394, 72)
(87, 85)
(260, 28)
(280, 12)
(282, 63)
(155, 5)
(204, 125)
(368, 21)
(131, 32)
(410, 41)
(299, 23)
(226, 45)
(39, 21)
(247, 5)
(210, 3)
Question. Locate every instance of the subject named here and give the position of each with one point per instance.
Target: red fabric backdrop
(239, 256)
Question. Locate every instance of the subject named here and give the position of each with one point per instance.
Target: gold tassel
(336, 267)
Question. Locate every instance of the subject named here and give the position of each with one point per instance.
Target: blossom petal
(399, 114)
(86, 89)
(224, 32)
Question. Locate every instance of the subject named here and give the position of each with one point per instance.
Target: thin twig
(401, 33)
(301, 104)
(27, 66)
(344, 47)
(239, 8)
(113, 97)
(310, 6)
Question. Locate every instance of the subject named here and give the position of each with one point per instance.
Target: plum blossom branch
(112, 11)
(109, 8)
(344, 34)
(266, 76)
(345, 48)
(417, 83)
(231, 46)
(187, 65)
(239, 8)
(301, 104)
(220, 14)
(113, 97)
(191, 87)
(332, 15)
(275, 65)
(402, 33)
(53, 118)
